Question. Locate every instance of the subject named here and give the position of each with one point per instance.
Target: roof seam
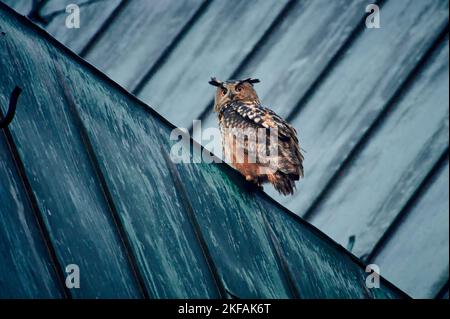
(331, 65)
(50, 16)
(112, 16)
(442, 291)
(170, 48)
(184, 198)
(280, 256)
(419, 192)
(37, 214)
(121, 231)
(35, 12)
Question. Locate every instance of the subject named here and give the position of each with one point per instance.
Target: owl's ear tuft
(215, 82)
(250, 80)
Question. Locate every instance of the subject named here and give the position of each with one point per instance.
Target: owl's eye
(238, 89)
(224, 91)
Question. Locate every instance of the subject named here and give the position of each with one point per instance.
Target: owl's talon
(254, 180)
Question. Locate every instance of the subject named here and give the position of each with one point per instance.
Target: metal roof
(370, 105)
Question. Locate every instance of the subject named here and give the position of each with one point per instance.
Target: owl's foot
(255, 181)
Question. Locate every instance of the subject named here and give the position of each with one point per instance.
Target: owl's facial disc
(227, 92)
(234, 90)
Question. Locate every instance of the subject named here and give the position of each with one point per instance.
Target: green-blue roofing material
(336, 81)
(86, 179)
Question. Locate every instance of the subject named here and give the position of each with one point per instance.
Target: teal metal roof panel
(25, 261)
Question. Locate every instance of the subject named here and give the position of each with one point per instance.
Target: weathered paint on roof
(86, 180)
(369, 104)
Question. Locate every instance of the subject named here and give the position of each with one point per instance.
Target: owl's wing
(254, 115)
(264, 117)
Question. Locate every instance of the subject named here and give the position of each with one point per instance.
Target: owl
(257, 142)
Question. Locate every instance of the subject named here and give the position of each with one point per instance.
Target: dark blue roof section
(86, 179)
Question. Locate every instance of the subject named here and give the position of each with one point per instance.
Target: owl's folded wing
(240, 115)
(264, 117)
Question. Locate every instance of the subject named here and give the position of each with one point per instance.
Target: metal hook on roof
(12, 107)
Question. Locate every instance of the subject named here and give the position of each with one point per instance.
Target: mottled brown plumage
(246, 127)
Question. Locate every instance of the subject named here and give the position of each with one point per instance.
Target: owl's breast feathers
(237, 116)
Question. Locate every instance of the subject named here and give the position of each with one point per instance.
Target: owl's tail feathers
(283, 183)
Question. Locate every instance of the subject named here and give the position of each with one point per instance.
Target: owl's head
(234, 90)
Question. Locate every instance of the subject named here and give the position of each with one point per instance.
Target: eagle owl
(257, 142)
